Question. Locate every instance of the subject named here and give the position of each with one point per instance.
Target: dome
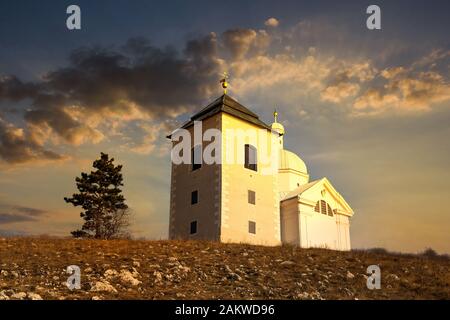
(289, 160)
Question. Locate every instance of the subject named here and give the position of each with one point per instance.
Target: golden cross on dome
(224, 82)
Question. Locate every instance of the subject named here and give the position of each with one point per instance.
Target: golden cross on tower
(275, 115)
(224, 82)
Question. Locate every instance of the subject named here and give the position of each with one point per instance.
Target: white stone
(34, 296)
(126, 277)
(103, 286)
(19, 296)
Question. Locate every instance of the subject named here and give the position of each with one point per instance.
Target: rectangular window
(196, 157)
(194, 197)
(251, 197)
(252, 227)
(193, 227)
(250, 157)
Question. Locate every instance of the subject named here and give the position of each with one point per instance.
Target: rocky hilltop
(36, 268)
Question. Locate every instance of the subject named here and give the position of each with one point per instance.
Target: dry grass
(207, 270)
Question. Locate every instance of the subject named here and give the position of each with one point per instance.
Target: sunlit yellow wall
(237, 180)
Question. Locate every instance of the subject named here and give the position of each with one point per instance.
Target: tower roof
(228, 105)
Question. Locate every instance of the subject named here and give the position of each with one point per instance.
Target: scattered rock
(184, 269)
(158, 276)
(303, 295)
(126, 277)
(34, 296)
(96, 298)
(287, 263)
(232, 275)
(3, 296)
(110, 273)
(103, 286)
(393, 277)
(19, 296)
(350, 275)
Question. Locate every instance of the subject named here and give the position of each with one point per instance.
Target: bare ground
(33, 268)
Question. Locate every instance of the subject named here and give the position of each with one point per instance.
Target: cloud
(245, 43)
(272, 22)
(135, 91)
(6, 218)
(149, 137)
(14, 214)
(30, 211)
(18, 146)
(338, 92)
(102, 87)
(346, 81)
(404, 91)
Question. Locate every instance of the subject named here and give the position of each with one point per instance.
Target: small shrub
(430, 253)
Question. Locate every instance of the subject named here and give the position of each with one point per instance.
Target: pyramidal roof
(228, 105)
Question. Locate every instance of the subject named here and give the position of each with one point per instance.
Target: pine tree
(105, 213)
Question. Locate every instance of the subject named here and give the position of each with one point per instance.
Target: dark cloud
(15, 90)
(160, 83)
(20, 214)
(17, 146)
(245, 42)
(11, 218)
(30, 211)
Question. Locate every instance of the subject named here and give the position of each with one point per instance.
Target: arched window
(324, 208)
(250, 157)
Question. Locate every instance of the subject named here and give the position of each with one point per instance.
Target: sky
(369, 109)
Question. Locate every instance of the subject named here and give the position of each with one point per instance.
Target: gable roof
(325, 183)
(298, 191)
(228, 105)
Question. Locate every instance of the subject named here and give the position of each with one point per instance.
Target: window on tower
(250, 157)
(193, 227)
(252, 227)
(196, 157)
(194, 197)
(251, 197)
